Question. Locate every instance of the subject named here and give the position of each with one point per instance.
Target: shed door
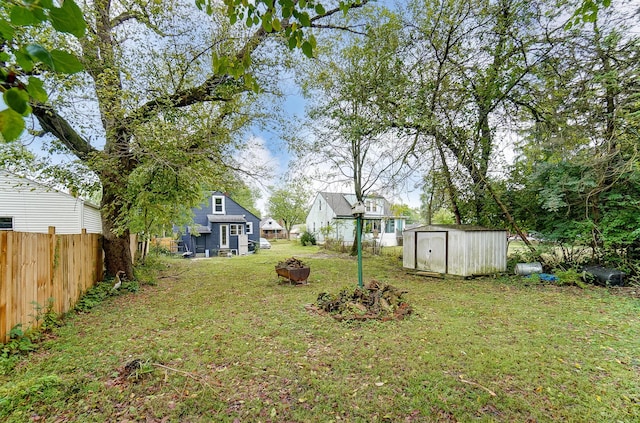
(431, 251)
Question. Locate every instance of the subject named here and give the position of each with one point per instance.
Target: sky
(269, 148)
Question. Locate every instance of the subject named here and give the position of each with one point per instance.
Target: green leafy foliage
(68, 18)
(291, 18)
(11, 124)
(307, 239)
(20, 59)
(103, 290)
(587, 12)
(289, 204)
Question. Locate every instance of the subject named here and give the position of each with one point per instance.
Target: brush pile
(291, 263)
(375, 301)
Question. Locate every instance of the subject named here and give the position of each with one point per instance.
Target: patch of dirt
(375, 301)
(626, 291)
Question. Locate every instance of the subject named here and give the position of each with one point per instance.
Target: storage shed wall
(409, 250)
(485, 252)
(457, 263)
(476, 252)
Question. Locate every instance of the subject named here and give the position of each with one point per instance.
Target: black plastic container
(604, 276)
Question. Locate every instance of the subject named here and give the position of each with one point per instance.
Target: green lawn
(222, 340)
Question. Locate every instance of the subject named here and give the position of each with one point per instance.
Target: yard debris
(291, 262)
(375, 301)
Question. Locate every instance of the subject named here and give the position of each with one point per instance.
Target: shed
(462, 250)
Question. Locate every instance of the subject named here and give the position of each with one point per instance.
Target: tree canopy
(164, 95)
(289, 204)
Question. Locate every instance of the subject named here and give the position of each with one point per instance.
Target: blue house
(221, 227)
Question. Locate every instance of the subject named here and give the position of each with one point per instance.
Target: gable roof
(342, 207)
(270, 224)
(228, 197)
(337, 202)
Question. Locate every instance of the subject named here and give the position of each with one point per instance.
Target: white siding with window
(34, 207)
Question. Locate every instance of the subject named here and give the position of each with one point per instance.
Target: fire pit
(293, 270)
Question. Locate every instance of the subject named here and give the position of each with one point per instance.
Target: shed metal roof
(447, 228)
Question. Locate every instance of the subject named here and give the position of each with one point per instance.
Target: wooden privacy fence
(36, 267)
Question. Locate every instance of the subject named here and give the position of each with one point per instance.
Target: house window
(371, 206)
(371, 225)
(249, 228)
(390, 226)
(319, 205)
(6, 223)
(218, 204)
(236, 229)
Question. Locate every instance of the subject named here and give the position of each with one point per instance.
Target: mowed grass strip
(224, 340)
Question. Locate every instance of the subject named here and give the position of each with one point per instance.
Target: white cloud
(256, 158)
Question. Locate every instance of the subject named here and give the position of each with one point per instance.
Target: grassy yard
(222, 340)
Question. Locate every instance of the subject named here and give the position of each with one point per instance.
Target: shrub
(308, 239)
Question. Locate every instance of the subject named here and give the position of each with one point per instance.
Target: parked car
(264, 244)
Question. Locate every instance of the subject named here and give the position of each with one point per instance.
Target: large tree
(577, 179)
(470, 65)
(349, 130)
(150, 68)
(289, 204)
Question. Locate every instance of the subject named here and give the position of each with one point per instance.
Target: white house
(330, 217)
(28, 206)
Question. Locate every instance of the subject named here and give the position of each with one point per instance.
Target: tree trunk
(354, 246)
(451, 188)
(117, 251)
(116, 240)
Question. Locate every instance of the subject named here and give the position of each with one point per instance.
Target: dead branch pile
(291, 263)
(375, 301)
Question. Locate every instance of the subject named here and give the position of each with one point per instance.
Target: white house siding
(35, 207)
(319, 216)
(92, 219)
(322, 214)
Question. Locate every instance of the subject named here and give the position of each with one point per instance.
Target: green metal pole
(359, 235)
